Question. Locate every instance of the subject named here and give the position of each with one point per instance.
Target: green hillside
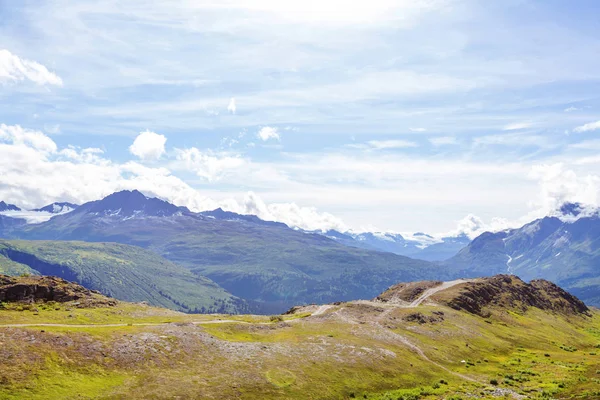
(124, 272)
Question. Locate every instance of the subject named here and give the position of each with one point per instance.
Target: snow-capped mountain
(130, 204)
(57, 208)
(417, 245)
(563, 248)
(35, 216)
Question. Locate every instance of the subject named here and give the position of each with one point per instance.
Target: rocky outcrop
(510, 292)
(30, 289)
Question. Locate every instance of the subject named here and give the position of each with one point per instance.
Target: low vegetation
(365, 350)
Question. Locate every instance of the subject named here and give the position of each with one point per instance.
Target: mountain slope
(267, 263)
(124, 272)
(566, 252)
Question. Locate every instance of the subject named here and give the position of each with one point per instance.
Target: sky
(440, 116)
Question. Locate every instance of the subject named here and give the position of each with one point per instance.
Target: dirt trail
(322, 309)
(431, 291)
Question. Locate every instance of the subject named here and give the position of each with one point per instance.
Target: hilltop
(479, 296)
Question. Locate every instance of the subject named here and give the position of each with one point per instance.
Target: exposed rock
(30, 289)
(508, 291)
(424, 319)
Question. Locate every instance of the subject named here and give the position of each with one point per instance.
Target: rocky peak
(128, 203)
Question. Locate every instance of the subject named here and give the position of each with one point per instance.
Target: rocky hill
(33, 289)
(479, 296)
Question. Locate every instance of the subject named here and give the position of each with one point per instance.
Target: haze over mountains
(267, 266)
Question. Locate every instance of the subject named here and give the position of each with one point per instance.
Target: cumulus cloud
(559, 185)
(15, 69)
(473, 226)
(148, 146)
(443, 140)
(592, 126)
(88, 155)
(208, 164)
(308, 218)
(267, 132)
(231, 107)
(37, 140)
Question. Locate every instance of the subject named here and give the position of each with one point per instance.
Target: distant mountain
(266, 263)
(127, 204)
(8, 207)
(57, 208)
(564, 251)
(124, 272)
(220, 214)
(419, 245)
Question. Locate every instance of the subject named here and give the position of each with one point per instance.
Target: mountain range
(564, 249)
(267, 264)
(419, 245)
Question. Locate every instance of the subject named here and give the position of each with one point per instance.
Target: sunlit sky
(369, 115)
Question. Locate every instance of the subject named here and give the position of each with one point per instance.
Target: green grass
(305, 358)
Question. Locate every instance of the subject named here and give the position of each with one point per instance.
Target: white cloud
(593, 144)
(308, 218)
(417, 129)
(473, 226)
(558, 185)
(231, 107)
(267, 132)
(571, 109)
(90, 155)
(384, 144)
(443, 140)
(592, 126)
(148, 146)
(209, 165)
(517, 126)
(20, 136)
(15, 69)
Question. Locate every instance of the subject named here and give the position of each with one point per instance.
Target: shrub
(494, 382)
(276, 318)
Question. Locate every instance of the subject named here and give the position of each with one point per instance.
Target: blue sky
(387, 115)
